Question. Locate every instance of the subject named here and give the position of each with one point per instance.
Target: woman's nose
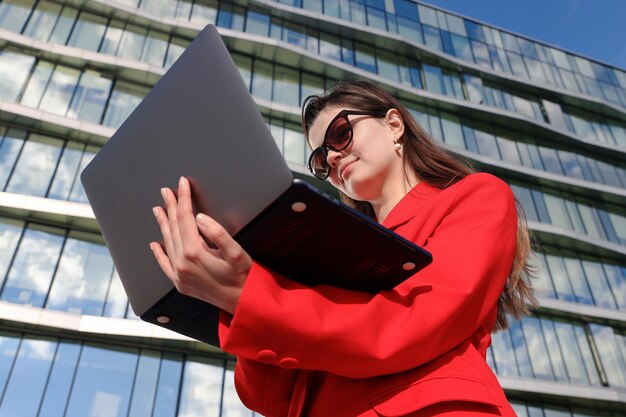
(332, 157)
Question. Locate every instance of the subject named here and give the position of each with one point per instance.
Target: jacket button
(288, 363)
(267, 355)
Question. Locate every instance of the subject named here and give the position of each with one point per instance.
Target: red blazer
(417, 350)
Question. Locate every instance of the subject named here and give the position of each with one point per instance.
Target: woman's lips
(343, 168)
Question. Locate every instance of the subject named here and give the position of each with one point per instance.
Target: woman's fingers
(163, 260)
(171, 208)
(230, 250)
(164, 225)
(189, 235)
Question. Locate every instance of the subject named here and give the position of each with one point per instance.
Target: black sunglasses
(338, 137)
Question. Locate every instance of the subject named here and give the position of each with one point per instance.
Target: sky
(593, 28)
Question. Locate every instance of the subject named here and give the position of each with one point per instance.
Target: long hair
(434, 165)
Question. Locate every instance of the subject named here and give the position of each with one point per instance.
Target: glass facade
(549, 122)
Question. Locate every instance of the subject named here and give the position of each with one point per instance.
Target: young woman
(417, 350)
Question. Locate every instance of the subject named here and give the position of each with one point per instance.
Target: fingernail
(164, 193)
(182, 182)
(201, 219)
(152, 247)
(155, 211)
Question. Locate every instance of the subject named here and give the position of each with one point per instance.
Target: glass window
(517, 64)
(591, 221)
(244, 65)
(10, 232)
(612, 358)
(294, 34)
(619, 225)
(550, 160)
(29, 278)
(103, 381)
(486, 143)
(311, 84)
(427, 15)
(155, 48)
(14, 71)
(116, 301)
(286, 85)
(56, 98)
(183, 11)
(66, 172)
(10, 147)
(558, 211)
(166, 398)
(175, 49)
(432, 38)
(364, 56)
(70, 290)
(163, 8)
(294, 146)
(376, 19)
(88, 32)
(257, 23)
(543, 282)
(124, 99)
(526, 199)
(61, 378)
(474, 87)
(609, 174)
(409, 29)
(262, 80)
(502, 347)
(560, 278)
(78, 193)
(37, 84)
(202, 386)
(387, 65)
(554, 349)
(90, 97)
(112, 37)
(617, 281)
(131, 44)
(9, 343)
(588, 358)
(34, 169)
(330, 46)
(508, 150)
(434, 79)
(599, 285)
(29, 375)
(42, 20)
(452, 132)
(13, 14)
(452, 83)
(145, 384)
(519, 348)
(535, 341)
(204, 11)
(578, 281)
(462, 47)
(64, 26)
(571, 353)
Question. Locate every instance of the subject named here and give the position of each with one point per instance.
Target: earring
(397, 146)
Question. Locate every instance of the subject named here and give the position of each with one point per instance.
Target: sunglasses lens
(339, 134)
(318, 165)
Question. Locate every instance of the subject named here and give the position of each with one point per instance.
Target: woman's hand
(215, 275)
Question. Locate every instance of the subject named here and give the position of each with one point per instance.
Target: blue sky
(593, 28)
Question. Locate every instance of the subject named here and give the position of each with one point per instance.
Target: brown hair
(435, 165)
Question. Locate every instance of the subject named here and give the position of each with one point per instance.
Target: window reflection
(29, 278)
(29, 375)
(103, 382)
(201, 391)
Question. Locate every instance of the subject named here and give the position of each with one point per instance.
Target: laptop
(200, 121)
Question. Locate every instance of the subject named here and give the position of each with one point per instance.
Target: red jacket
(417, 350)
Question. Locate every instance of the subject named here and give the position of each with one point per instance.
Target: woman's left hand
(216, 276)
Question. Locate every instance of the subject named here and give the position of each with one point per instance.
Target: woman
(417, 350)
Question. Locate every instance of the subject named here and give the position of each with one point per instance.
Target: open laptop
(200, 121)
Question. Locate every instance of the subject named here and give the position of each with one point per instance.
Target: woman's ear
(395, 123)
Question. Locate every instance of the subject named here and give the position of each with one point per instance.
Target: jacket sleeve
(361, 335)
(266, 389)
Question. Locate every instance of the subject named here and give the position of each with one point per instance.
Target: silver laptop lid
(198, 121)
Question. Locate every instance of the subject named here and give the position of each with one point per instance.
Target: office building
(550, 122)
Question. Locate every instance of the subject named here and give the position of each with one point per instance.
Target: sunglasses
(338, 137)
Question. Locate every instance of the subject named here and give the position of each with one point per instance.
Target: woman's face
(370, 163)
